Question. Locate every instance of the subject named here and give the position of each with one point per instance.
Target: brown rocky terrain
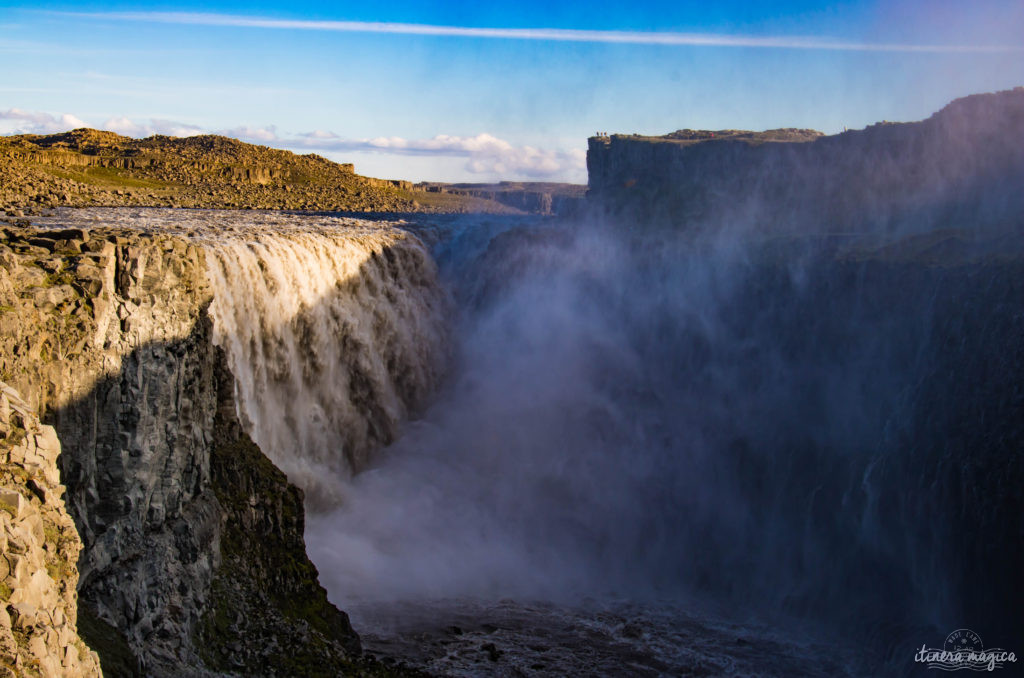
(87, 168)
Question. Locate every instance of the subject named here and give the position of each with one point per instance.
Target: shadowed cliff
(235, 591)
(962, 167)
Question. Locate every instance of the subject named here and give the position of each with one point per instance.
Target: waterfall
(333, 334)
(808, 431)
(642, 417)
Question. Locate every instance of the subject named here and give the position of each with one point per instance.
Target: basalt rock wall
(957, 168)
(38, 600)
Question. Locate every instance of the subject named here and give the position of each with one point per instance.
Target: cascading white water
(334, 328)
(333, 332)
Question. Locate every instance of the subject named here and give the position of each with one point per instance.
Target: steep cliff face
(193, 553)
(855, 303)
(959, 167)
(284, 625)
(106, 333)
(38, 600)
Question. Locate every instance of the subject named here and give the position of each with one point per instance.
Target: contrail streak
(544, 34)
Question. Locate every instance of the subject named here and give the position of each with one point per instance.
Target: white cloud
(441, 144)
(130, 128)
(40, 122)
(547, 34)
(122, 125)
(37, 122)
(173, 128)
(484, 153)
(319, 134)
(256, 134)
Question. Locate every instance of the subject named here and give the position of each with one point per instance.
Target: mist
(660, 417)
(778, 381)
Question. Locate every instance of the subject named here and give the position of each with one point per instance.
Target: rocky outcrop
(40, 546)
(182, 518)
(389, 183)
(105, 331)
(87, 168)
(960, 167)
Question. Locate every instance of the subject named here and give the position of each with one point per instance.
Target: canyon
(758, 386)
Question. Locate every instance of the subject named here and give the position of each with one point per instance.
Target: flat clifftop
(685, 137)
(960, 168)
(87, 168)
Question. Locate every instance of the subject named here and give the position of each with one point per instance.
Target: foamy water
(334, 328)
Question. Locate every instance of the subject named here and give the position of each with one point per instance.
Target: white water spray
(333, 336)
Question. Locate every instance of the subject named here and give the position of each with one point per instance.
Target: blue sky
(386, 88)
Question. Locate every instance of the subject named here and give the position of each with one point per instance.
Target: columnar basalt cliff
(38, 597)
(960, 167)
(105, 333)
(193, 558)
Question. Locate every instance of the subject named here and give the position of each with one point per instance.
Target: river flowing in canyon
(542, 447)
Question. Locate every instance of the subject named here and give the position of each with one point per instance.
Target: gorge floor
(465, 638)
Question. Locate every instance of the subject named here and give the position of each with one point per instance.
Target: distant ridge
(536, 197)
